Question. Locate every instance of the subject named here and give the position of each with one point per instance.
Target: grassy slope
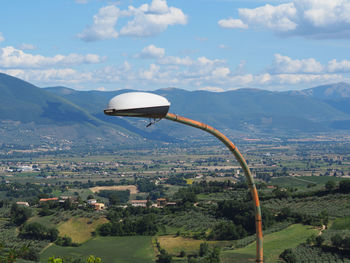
(274, 245)
(136, 249)
(79, 229)
(174, 245)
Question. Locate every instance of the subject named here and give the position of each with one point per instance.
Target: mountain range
(29, 114)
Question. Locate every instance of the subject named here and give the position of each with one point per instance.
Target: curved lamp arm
(243, 163)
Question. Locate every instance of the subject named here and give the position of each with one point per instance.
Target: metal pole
(243, 163)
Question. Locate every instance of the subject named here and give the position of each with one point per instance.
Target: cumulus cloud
(11, 57)
(152, 19)
(305, 78)
(1, 38)
(232, 23)
(310, 18)
(171, 60)
(150, 73)
(103, 25)
(183, 72)
(145, 20)
(221, 72)
(52, 76)
(152, 51)
(284, 64)
(341, 66)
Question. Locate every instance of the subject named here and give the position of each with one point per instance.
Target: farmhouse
(99, 206)
(142, 203)
(91, 201)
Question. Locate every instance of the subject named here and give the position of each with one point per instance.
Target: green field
(274, 245)
(341, 224)
(303, 181)
(134, 249)
(80, 229)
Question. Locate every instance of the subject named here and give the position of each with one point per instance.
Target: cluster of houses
(161, 202)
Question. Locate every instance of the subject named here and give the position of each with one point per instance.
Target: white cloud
(221, 72)
(170, 60)
(341, 66)
(152, 51)
(103, 25)
(279, 18)
(51, 76)
(1, 38)
(25, 46)
(150, 73)
(212, 89)
(232, 23)
(152, 19)
(146, 20)
(305, 78)
(11, 57)
(310, 18)
(284, 64)
(183, 72)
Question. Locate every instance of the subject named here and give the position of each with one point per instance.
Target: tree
(330, 186)
(164, 257)
(90, 259)
(38, 231)
(19, 214)
(93, 259)
(319, 240)
(203, 249)
(336, 240)
(288, 256)
(344, 186)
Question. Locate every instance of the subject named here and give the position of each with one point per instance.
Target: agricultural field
(202, 186)
(304, 182)
(133, 249)
(274, 245)
(131, 188)
(336, 205)
(80, 229)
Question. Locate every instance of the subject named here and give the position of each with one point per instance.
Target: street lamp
(148, 105)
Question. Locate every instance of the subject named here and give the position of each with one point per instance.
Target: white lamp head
(138, 104)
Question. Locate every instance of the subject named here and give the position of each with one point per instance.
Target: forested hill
(29, 113)
(244, 110)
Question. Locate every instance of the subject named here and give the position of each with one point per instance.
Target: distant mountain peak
(325, 92)
(60, 90)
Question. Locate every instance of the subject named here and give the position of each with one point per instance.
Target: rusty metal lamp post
(148, 105)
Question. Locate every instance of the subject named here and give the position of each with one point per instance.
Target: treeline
(115, 197)
(330, 188)
(241, 222)
(286, 214)
(89, 183)
(38, 232)
(144, 225)
(148, 186)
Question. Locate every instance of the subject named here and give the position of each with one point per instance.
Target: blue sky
(189, 44)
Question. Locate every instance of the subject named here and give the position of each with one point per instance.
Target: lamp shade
(138, 104)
